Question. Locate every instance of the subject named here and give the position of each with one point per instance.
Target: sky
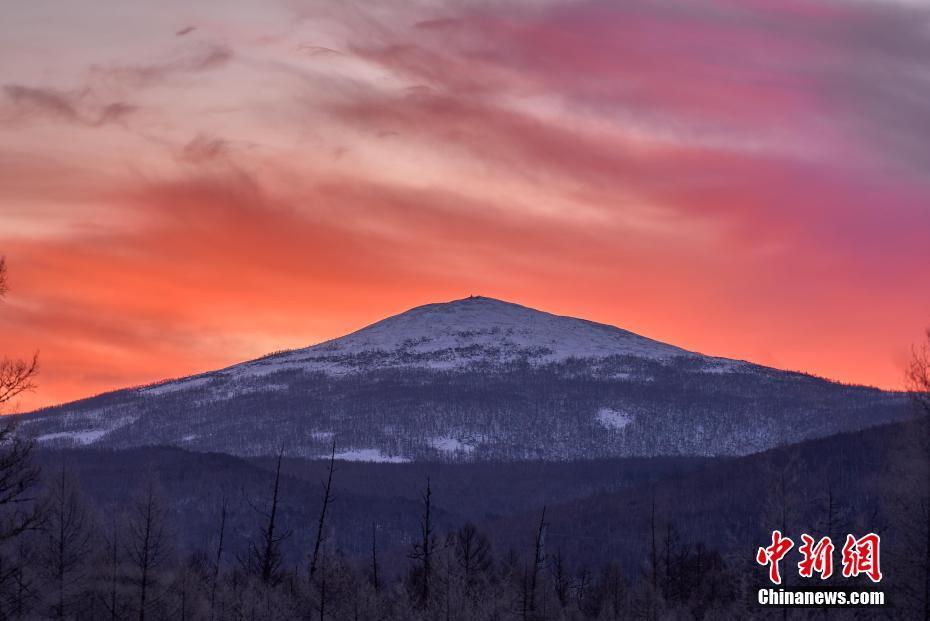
(187, 185)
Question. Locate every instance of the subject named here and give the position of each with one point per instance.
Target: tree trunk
(327, 499)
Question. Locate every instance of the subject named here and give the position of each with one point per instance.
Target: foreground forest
(167, 534)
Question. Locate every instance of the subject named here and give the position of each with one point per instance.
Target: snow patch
(77, 437)
(448, 444)
(371, 455)
(106, 423)
(613, 419)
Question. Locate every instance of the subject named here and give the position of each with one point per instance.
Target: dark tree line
(75, 564)
(70, 562)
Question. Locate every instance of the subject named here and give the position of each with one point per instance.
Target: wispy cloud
(206, 58)
(204, 148)
(24, 102)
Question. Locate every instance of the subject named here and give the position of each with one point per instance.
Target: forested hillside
(476, 380)
(531, 540)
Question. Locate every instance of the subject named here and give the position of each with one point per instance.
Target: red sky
(187, 185)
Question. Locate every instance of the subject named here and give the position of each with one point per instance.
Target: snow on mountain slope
(475, 379)
(496, 325)
(464, 332)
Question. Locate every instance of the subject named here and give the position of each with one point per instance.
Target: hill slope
(476, 379)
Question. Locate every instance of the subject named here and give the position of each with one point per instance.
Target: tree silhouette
(16, 375)
(147, 545)
(918, 383)
(264, 556)
(327, 500)
(67, 539)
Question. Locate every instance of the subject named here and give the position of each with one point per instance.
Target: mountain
(474, 380)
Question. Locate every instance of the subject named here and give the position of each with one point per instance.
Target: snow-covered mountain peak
(490, 323)
(464, 332)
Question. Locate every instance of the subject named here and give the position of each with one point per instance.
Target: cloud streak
(206, 58)
(72, 107)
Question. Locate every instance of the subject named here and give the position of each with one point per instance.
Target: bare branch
(918, 375)
(4, 287)
(19, 477)
(327, 500)
(17, 376)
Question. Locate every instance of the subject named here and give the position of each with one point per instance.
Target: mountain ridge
(475, 379)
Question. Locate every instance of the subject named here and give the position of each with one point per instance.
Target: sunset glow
(186, 185)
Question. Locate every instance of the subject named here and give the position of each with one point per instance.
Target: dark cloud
(202, 149)
(208, 58)
(805, 67)
(115, 113)
(86, 105)
(185, 31)
(75, 107)
(44, 101)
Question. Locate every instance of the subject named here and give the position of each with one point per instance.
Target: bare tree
(321, 523)
(16, 376)
(907, 481)
(67, 544)
(653, 562)
(472, 553)
(375, 571)
(146, 545)
(264, 556)
(19, 510)
(918, 383)
(918, 375)
(525, 597)
(424, 549)
(653, 556)
(539, 559)
(18, 475)
(218, 559)
(562, 582)
(19, 587)
(321, 602)
(317, 572)
(111, 598)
